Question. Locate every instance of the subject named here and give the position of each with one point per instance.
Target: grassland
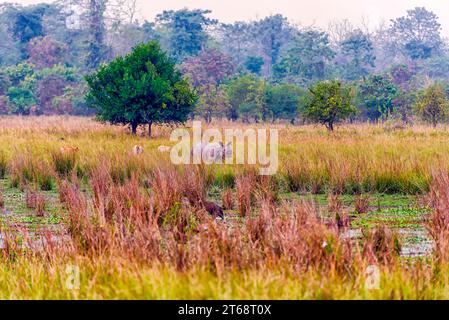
(136, 228)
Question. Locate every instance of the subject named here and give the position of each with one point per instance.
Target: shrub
(64, 163)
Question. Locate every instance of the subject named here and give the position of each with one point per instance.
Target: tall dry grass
(141, 213)
(354, 159)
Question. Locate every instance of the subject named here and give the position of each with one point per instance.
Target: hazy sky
(304, 12)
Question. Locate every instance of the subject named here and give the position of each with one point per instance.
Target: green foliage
(417, 35)
(236, 39)
(254, 64)
(329, 102)
(144, 87)
(432, 104)
(306, 61)
(46, 49)
(38, 88)
(273, 32)
(21, 100)
(358, 51)
(282, 101)
(376, 95)
(97, 49)
(403, 104)
(4, 82)
(27, 22)
(187, 34)
(246, 97)
(19, 72)
(9, 48)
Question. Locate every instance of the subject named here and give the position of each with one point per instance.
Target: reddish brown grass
(35, 200)
(227, 199)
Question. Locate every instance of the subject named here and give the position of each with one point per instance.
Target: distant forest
(253, 71)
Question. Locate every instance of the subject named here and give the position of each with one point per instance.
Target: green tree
(377, 94)
(282, 101)
(254, 64)
(144, 87)
(21, 100)
(236, 39)
(24, 24)
(27, 22)
(403, 104)
(417, 35)
(246, 97)
(306, 61)
(432, 104)
(10, 48)
(187, 34)
(272, 33)
(19, 72)
(358, 52)
(329, 102)
(97, 30)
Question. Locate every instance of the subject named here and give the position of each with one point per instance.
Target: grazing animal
(212, 152)
(68, 149)
(163, 149)
(213, 209)
(137, 150)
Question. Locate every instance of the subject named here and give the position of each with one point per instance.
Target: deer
(68, 149)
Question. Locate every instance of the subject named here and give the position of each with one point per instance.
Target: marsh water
(399, 212)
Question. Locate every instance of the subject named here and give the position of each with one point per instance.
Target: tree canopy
(329, 102)
(432, 104)
(144, 87)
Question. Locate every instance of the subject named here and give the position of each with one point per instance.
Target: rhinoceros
(212, 152)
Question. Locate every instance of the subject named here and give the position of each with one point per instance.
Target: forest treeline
(262, 70)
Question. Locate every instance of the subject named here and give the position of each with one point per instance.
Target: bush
(64, 163)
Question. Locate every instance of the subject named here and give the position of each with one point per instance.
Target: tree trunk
(133, 128)
(150, 123)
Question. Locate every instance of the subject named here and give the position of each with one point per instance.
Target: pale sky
(303, 12)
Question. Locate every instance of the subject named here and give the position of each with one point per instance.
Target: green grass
(34, 279)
